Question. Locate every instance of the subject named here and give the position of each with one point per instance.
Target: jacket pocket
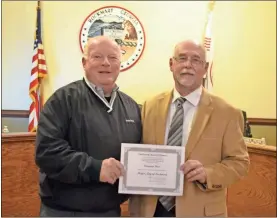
(216, 209)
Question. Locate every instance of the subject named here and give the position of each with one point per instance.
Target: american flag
(208, 44)
(39, 71)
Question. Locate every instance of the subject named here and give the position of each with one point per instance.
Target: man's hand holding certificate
(152, 170)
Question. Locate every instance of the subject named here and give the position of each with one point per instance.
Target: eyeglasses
(195, 62)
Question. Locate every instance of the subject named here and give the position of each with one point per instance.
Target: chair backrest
(247, 128)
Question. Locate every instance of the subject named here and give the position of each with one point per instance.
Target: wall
(161, 27)
(18, 26)
(244, 62)
(15, 124)
(267, 132)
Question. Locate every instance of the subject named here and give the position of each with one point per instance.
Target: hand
(111, 170)
(194, 170)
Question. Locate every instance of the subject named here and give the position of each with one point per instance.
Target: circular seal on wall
(120, 25)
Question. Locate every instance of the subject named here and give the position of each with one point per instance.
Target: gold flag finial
(211, 5)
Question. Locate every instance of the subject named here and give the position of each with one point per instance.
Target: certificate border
(176, 191)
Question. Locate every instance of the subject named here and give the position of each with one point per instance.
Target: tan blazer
(216, 140)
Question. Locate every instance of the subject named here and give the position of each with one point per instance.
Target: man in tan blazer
(212, 132)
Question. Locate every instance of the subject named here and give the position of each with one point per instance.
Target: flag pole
(210, 9)
(38, 72)
(40, 91)
(207, 41)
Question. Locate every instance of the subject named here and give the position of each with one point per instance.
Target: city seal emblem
(120, 25)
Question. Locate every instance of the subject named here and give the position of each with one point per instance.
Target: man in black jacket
(79, 138)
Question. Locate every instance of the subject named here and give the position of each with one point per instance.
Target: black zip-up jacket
(75, 134)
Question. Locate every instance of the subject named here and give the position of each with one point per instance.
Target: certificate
(152, 169)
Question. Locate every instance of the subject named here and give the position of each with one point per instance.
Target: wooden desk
(253, 196)
(19, 176)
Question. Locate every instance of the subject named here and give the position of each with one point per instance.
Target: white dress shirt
(189, 107)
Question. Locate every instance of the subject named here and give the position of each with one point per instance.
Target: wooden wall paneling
(15, 113)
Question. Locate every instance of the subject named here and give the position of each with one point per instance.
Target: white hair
(194, 41)
(90, 40)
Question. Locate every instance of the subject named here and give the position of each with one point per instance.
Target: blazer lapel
(162, 108)
(201, 119)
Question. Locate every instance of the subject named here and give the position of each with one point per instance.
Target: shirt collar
(193, 97)
(97, 89)
(100, 94)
